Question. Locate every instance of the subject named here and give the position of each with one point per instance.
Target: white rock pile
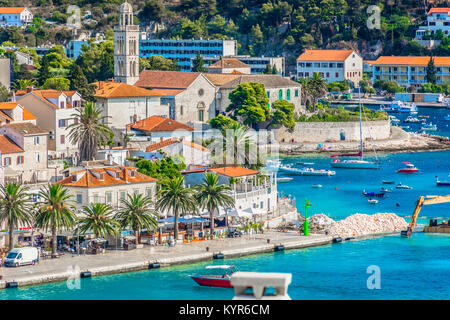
(358, 224)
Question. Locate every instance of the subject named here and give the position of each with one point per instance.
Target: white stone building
(126, 47)
(229, 65)
(332, 65)
(110, 185)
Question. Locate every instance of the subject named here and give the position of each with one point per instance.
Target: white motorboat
(317, 186)
(428, 127)
(403, 186)
(284, 179)
(372, 201)
(306, 171)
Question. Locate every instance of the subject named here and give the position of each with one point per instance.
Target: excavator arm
(421, 202)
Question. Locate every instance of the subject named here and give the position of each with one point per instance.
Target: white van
(21, 256)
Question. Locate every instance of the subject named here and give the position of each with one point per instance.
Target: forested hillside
(262, 27)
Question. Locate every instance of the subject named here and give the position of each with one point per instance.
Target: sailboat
(354, 163)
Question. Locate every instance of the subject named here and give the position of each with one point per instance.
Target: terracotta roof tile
(324, 55)
(158, 124)
(166, 79)
(8, 105)
(11, 10)
(119, 90)
(409, 60)
(234, 171)
(162, 144)
(27, 115)
(89, 178)
(439, 10)
(8, 146)
(226, 63)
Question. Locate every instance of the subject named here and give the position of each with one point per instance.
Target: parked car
(234, 233)
(22, 256)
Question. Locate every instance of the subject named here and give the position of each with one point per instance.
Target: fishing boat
(317, 186)
(403, 186)
(354, 163)
(284, 179)
(378, 194)
(408, 168)
(388, 182)
(306, 171)
(428, 127)
(444, 183)
(219, 276)
(372, 201)
(400, 106)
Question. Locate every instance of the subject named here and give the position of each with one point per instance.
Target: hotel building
(437, 19)
(408, 70)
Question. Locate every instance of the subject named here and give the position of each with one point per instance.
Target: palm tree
(234, 147)
(56, 211)
(22, 84)
(99, 218)
(173, 196)
(137, 214)
(89, 130)
(305, 92)
(317, 87)
(212, 195)
(15, 208)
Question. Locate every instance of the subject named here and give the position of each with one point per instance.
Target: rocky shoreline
(357, 225)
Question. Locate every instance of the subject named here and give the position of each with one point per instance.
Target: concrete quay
(72, 266)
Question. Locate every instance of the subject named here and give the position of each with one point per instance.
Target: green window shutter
(280, 95)
(288, 94)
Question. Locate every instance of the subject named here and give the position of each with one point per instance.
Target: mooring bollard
(268, 240)
(207, 249)
(259, 282)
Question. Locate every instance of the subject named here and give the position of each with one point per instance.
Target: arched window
(288, 94)
(280, 95)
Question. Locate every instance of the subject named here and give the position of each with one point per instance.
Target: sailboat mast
(360, 124)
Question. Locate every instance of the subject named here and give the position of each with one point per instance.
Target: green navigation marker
(305, 224)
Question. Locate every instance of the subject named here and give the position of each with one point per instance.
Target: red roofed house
(332, 65)
(53, 110)
(107, 185)
(123, 103)
(252, 194)
(15, 16)
(13, 112)
(437, 19)
(229, 65)
(409, 71)
(189, 96)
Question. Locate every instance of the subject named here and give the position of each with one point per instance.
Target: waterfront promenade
(117, 261)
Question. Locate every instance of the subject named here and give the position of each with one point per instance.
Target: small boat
(317, 186)
(442, 183)
(273, 164)
(447, 117)
(222, 280)
(379, 194)
(284, 179)
(305, 163)
(428, 127)
(388, 182)
(403, 186)
(306, 171)
(423, 117)
(394, 120)
(412, 120)
(372, 201)
(386, 190)
(409, 168)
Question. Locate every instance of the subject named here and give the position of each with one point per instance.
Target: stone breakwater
(358, 224)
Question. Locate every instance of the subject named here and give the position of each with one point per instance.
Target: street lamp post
(305, 224)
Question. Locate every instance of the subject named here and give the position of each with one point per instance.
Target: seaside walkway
(117, 261)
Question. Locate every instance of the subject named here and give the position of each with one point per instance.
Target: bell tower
(126, 47)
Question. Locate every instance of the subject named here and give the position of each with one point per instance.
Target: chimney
(13, 96)
(134, 118)
(161, 139)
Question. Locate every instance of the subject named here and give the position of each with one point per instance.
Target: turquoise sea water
(415, 268)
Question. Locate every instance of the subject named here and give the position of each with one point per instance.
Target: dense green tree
(249, 103)
(56, 84)
(158, 63)
(198, 64)
(166, 168)
(97, 61)
(283, 114)
(4, 93)
(44, 72)
(430, 76)
(153, 10)
(194, 9)
(79, 82)
(268, 69)
(220, 122)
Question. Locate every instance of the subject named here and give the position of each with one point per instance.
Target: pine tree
(198, 65)
(268, 69)
(274, 70)
(431, 72)
(44, 71)
(78, 82)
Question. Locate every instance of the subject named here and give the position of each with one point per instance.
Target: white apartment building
(437, 19)
(408, 70)
(332, 65)
(53, 110)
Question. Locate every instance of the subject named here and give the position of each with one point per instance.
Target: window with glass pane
(288, 94)
(149, 193)
(280, 95)
(109, 197)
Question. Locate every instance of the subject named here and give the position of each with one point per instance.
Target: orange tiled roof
(162, 144)
(439, 10)
(47, 94)
(89, 179)
(27, 115)
(11, 10)
(234, 171)
(8, 105)
(219, 79)
(113, 89)
(225, 63)
(409, 60)
(324, 55)
(158, 124)
(8, 146)
(166, 79)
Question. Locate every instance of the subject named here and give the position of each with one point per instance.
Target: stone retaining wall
(329, 131)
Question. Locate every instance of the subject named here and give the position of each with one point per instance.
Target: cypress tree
(198, 65)
(431, 72)
(44, 71)
(268, 69)
(78, 82)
